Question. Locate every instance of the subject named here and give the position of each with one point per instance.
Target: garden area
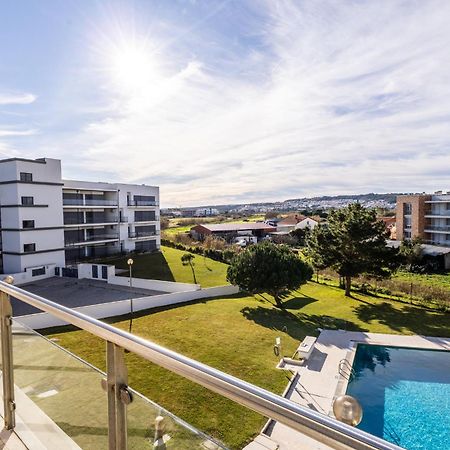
(236, 335)
(166, 265)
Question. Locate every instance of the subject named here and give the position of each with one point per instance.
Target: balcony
(437, 243)
(437, 229)
(146, 218)
(137, 203)
(437, 214)
(98, 238)
(84, 202)
(142, 234)
(90, 220)
(48, 384)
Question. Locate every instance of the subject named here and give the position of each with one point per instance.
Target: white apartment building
(45, 220)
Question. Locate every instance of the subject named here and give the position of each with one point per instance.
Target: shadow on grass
(296, 325)
(410, 318)
(298, 302)
(149, 265)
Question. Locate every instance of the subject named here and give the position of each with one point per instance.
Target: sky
(223, 102)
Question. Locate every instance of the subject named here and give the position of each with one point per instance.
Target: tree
(352, 243)
(164, 223)
(411, 254)
(187, 259)
(301, 234)
(270, 268)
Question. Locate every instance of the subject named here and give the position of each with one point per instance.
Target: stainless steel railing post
(9, 405)
(118, 396)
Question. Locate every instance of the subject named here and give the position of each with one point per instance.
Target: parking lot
(73, 293)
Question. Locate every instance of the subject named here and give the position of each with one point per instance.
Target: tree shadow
(296, 325)
(148, 265)
(411, 318)
(298, 302)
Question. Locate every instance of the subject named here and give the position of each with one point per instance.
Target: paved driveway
(73, 292)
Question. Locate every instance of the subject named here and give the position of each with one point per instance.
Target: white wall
(113, 309)
(306, 223)
(26, 276)
(49, 215)
(156, 285)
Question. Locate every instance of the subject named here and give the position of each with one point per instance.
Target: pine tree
(352, 243)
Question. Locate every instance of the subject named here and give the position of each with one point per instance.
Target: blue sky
(231, 101)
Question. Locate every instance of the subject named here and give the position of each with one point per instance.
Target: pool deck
(318, 380)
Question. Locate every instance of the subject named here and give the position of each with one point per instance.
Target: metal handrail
(311, 423)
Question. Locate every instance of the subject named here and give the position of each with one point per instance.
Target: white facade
(437, 220)
(48, 221)
(306, 223)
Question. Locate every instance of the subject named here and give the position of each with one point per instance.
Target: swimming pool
(405, 395)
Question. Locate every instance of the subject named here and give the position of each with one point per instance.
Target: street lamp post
(130, 263)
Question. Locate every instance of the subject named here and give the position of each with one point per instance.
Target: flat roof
(237, 226)
(37, 160)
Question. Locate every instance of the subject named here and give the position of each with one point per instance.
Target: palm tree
(188, 260)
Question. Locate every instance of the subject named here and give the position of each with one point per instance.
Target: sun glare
(134, 67)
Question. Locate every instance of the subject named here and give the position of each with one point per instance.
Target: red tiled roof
(236, 226)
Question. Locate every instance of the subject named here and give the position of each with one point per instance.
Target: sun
(133, 67)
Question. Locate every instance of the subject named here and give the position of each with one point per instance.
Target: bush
(224, 256)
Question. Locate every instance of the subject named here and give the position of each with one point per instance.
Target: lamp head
(130, 262)
(348, 410)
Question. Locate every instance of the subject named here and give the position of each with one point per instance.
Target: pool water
(405, 395)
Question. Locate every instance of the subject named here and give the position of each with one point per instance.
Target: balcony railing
(90, 220)
(443, 213)
(86, 202)
(438, 243)
(147, 219)
(445, 228)
(89, 239)
(141, 234)
(142, 203)
(317, 426)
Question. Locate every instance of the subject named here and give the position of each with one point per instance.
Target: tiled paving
(319, 382)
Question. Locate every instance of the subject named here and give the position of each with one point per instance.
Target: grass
(435, 279)
(236, 335)
(167, 266)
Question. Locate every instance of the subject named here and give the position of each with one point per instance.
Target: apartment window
(407, 208)
(407, 222)
(27, 248)
(37, 272)
(27, 223)
(27, 201)
(407, 234)
(26, 176)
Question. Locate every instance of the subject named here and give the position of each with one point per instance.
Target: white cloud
(14, 133)
(349, 97)
(16, 98)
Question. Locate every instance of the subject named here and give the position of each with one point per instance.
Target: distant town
(307, 204)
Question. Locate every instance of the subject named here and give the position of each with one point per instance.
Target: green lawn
(167, 266)
(236, 335)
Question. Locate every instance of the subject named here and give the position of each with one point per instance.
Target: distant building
(307, 222)
(426, 216)
(258, 229)
(390, 225)
(289, 223)
(206, 212)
